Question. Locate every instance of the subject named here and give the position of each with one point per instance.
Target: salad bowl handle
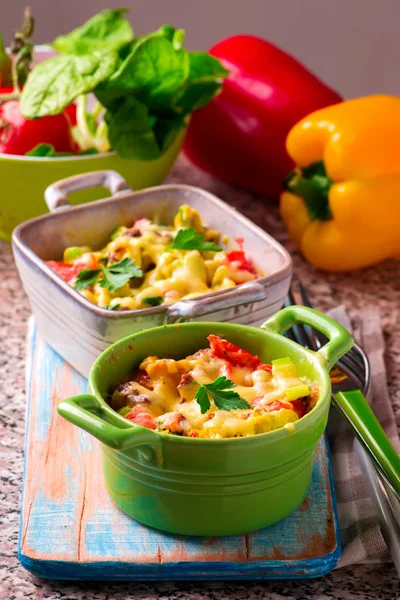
(340, 340)
(85, 412)
(56, 194)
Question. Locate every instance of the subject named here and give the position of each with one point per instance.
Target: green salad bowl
(25, 178)
(200, 486)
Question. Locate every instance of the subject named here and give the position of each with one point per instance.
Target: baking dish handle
(56, 194)
(246, 293)
(340, 340)
(85, 412)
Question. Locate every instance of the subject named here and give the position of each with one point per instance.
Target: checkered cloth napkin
(362, 541)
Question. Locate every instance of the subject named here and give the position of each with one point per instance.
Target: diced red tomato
(66, 271)
(299, 407)
(277, 406)
(143, 379)
(143, 419)
(238, 357)
(173, 422)
(264, 367)
(193, 434)
(240, 257)
(88, 262)
(141, 222)
(137, 410)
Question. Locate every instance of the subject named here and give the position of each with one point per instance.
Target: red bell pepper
(240, 135)
(19, 135)
(238, 357)
(66, 271)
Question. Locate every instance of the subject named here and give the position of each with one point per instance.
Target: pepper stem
(313, 185)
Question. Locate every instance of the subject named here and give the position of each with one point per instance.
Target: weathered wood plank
(312, 529)
(68, 519)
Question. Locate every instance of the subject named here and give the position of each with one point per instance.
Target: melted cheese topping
(167, 276)
(162, 397)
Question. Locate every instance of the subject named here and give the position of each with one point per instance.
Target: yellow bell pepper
(341, 205)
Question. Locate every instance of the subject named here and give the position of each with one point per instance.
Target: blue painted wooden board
(70, 529)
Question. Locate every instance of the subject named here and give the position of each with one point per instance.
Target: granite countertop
(378, 285)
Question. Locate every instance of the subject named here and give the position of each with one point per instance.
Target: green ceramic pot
(208, 486)
(25, 178)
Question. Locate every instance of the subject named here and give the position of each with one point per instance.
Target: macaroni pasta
(164, 273)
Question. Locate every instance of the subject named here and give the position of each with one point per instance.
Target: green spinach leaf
(165, 131)
(88, 151)
(152, 71)
(46, 150)
(55, 83)
(204, 81)
(148, 85)
(130, 131)
(106, 30)
(134, 133)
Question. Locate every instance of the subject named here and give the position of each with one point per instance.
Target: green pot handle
(85, 412)
(340, 340)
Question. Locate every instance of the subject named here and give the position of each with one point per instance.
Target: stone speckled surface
(377, 285)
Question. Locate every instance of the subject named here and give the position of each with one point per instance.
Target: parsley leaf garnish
(114, 307)
(188, 239)
(117, 274)
(202, 399)
(85, 278)
(112, 277)
(154, 300)
(220, 392)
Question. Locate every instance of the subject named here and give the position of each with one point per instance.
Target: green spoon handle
(367, 428)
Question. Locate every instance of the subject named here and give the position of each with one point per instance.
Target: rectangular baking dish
(79, 330)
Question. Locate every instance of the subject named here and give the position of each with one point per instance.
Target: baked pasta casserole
(219, 392)
(148, 264)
